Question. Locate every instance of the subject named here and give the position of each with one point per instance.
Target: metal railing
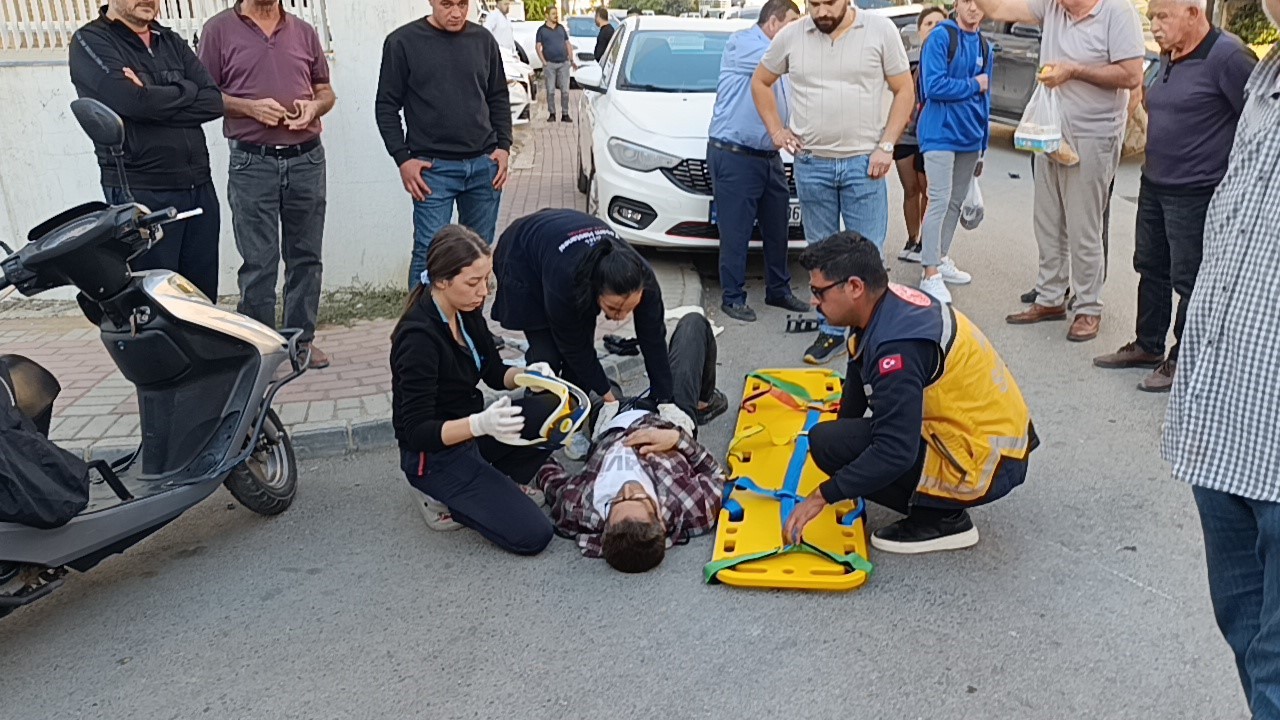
(49, 24)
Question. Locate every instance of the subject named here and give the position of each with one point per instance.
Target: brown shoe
(1130, 356)
(319, 360)
(1038, 313)
(1084, 327)
(1161, 379)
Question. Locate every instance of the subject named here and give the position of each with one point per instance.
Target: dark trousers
(1242, 552)
(543, 348)
(1166, 253)
(189, 247)
(750, 190)
(477, 481)
(836, 443)
(277, 208)
(692, 354)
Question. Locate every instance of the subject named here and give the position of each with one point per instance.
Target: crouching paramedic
(948, 427)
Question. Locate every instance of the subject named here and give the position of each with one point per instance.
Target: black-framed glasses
(818, 291)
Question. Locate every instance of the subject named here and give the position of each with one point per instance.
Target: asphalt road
(1085, 598)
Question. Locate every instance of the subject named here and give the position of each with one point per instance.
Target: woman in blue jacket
(955, 69)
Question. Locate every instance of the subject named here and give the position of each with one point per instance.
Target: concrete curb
(345, 437)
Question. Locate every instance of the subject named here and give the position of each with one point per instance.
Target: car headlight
(638, 157)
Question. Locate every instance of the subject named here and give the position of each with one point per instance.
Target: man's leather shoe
(1037, 313)
(1084, 327)
(1130, 356)
(1161, 379)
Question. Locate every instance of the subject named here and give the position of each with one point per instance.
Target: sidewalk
(344, 407)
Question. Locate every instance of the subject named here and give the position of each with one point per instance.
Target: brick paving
(97, 408)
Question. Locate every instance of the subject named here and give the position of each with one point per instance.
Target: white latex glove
(542, 369)
(675, 416)
(501, 420)
(608, 411)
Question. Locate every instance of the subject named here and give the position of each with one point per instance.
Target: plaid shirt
(688, 481)
(1219, 428)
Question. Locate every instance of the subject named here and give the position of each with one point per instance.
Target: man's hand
(879, 165)
(267, 111)
(649, 441)
(304, 113)
(784, 139)
(411, 175)
(984, 82)
(804, 514)
(500, 156)
(132, 77)
(1055, 74)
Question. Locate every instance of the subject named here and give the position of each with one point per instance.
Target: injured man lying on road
(647, 483)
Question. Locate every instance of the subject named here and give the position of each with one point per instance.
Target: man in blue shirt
(747, 177)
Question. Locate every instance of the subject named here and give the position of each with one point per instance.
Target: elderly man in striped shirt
(1219, 432)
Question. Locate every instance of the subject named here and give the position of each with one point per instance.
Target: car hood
(673, 115)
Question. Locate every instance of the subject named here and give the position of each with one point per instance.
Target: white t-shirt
(620, 466)
(500, 26)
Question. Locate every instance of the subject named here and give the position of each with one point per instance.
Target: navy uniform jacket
(536, 262)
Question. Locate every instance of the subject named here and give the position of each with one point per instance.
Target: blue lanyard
(475, 355)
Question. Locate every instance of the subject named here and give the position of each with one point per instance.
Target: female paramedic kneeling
(557, 270)
(463, 456)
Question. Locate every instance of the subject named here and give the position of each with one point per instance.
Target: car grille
(693, 176)
(709, 231)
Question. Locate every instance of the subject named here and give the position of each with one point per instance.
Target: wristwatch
(886, 146)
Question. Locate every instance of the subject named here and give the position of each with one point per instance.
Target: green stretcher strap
(853, 561)
(793, 389)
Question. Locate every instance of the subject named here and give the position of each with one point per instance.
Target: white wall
(47, 164)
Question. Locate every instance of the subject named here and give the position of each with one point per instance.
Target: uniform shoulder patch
(910, 294)
(890, 364)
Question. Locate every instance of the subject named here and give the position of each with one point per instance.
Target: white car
(520, 87)
(642, 132)
(582, 33)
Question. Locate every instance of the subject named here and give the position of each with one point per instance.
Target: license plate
(793, 213)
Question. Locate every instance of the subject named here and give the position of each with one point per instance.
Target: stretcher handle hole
(730, 545)
(788, 571)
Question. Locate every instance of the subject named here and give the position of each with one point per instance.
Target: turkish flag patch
(890, 365)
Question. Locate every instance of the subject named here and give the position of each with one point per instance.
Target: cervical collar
(573, 408)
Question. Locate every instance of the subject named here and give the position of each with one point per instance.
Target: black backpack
(953, 46)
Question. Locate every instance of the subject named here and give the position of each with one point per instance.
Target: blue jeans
(469, 183)
(1242, 551)
(834, 188)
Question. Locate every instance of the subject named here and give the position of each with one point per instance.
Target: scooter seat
(26, 385)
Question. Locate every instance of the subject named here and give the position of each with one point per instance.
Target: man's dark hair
(776, 9)
(846, 255)
(929, 10)
(602, 13)
(632, 546)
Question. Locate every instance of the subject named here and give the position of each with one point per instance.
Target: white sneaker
(910, 253)
(434, 512)
(953, 274)
(936, 287)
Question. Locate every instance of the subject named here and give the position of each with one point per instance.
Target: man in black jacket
(148, 75)
(606, 32)
(446, 75)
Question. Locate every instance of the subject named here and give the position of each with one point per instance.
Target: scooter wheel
(267, 482)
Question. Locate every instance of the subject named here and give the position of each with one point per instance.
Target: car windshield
(583, 27)
(673, 61)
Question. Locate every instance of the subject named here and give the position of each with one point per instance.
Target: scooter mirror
(100, 123)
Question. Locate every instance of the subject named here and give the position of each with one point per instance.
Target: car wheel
(584, 182)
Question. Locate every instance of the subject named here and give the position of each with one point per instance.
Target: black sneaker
(565, 118)
(551, 117)
(824, 349)
(716, 407)
(911, 253)
(789, 302)
(738, 311)
(931, 533)
(1029, 296)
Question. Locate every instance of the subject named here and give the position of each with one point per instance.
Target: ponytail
(610, 266)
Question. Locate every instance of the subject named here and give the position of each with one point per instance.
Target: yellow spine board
(762, 449)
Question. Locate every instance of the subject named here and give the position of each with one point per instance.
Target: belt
(741, 149)
(277, 151)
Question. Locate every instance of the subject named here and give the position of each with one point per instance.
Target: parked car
(520, 87)
(1013, 76)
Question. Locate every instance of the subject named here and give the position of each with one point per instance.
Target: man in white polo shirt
(1091, 51)
(841, 63)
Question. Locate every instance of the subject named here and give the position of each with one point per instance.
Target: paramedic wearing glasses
(466, 460)
(948, 428)
(557, 270)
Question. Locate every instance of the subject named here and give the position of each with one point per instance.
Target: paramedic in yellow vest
(948, 427)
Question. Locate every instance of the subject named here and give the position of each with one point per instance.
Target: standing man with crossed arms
(841, 62)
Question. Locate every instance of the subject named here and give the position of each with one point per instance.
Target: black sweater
(164, 147)
(452, 88)
(434, 379)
